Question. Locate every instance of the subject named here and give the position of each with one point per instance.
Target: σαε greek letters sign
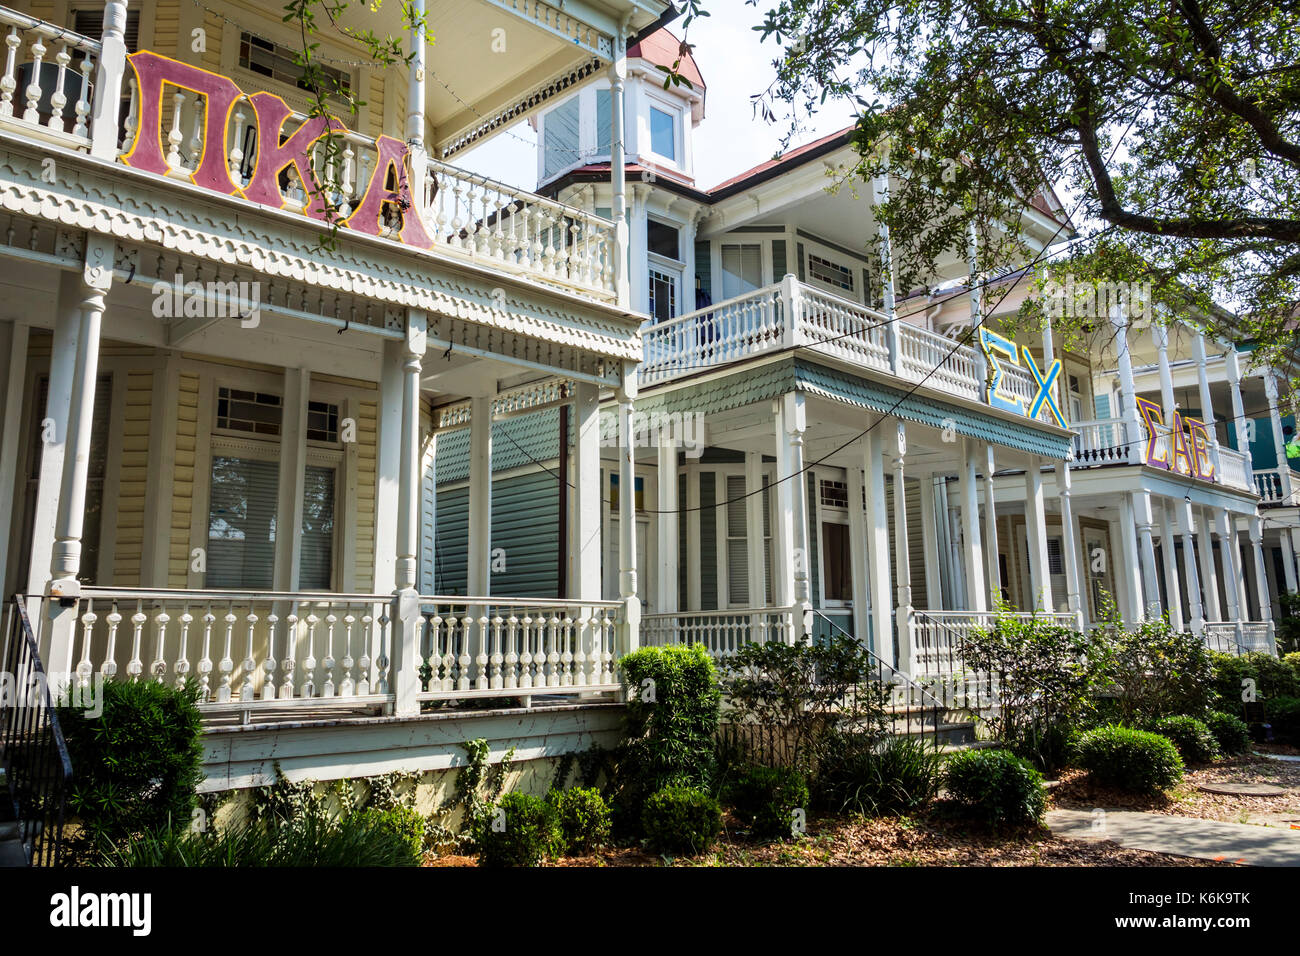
(1188, 449)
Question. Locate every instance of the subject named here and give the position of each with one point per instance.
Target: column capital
(417, 334)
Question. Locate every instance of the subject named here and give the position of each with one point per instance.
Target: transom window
(265, 58)
(835, 494)
(240, 410)
(322, 422)
(830, 273)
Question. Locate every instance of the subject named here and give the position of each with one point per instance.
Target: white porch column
(1209, 577)
(877, 526)
(415, 100)
(858, 546)
(1261, 576)
(1173, 593)
(1150, 584)
(795, 425)
(880, 193)
(1233, 368)
(1069, 544)
(1040, 581)
(692, 597)
(1133, 428)
(1279, 442)
(584, 567)
(388, 477)
(407, 622)
(1194, 604)
(1207, 405)
(1291, 539)
(108, 82)
(929, 541)
(478, 582)
(1132, 576)
(757, 565)
(902, 562)
(991, 563)
(293, 470)
(627, 577)
(975, 283)
(977, 585)
(618, 171)
(1160, 332)
(666, 520)
(1231, 566)
(13, 343)
(1288, 561)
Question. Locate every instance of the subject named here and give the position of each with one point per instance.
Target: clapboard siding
(182, 505)
(132, 478)
(516, 443)
(367, 471)
(428, 499)
(166, 29)
(708, 542)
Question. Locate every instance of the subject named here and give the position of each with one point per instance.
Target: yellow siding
(367, 469)
(166, 29)
(212, 56)
(133, 477)
(41, 9)
(187, 427)
(375, 103)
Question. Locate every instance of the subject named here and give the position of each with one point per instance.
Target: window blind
(316, 563)
(560, 138)
(742, 269)
(737, 543)
(241, 523)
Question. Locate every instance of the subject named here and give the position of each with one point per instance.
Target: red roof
(782, 159)
(662, 49)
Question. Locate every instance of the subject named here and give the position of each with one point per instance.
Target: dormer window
(665, 140)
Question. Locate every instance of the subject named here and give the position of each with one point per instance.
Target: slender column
(407, 623)
(666, 585)
(415, 93)
(877, 525)
(902, 561)
(584, 569)
(794, 421)
(618, 172)
(977, 588)
(1279, 443)
(1209, 578)
(1207, 405)
(858, 546)
(1291, 538)
(1233, 368)
(1160, 332)
(693, 572)
(1040, 581)
(888, 277)
(108, 82)
(929, 541)
(1070, 544)
(975, 282)
(991, 531)
(1261, 577)
(627, 576)
(1128, 391)
(14, 346)
(1150, 585)
(1173, 593)
(388, 478)
(293, 477)
(1231, 572)
(479, 572)
(757, 566)
(1288, 561)
(1127, 536)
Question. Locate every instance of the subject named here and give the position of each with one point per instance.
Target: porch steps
(954, 729)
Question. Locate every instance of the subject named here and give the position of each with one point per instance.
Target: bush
(671, 721)
(1271, 677)
(1231, 732)
(1284, 716)
(997, 787)
(313, 838)
(1130, 760)
(1195, 742)
(523, 834)
(1156, 671)
(862, 774)
(583, 818)
(765, 800)
(406, 822)
(1292, 661)
(136, 765)
(681, 820)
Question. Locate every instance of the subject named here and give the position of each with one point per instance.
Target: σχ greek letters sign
(275, 151)
(995, 345)
(1189, 442)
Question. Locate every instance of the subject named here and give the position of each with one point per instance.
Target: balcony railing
(1119, 441)
(791, 314)
(47, 90)
(1271, 485)
(722, 632)
(1240, 637)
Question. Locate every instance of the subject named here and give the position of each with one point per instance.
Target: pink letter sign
(274, 155)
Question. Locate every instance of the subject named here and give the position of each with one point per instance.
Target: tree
(1176, 124)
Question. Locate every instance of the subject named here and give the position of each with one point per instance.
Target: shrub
(766, 798)
(1155, 671)
(1271, 677)
(1231, 732)
(1195, 742)
(671, 721)
(137, 764)
(406, 822)
(1284, 716)
(314, 838)
(862, 774)
(680, 819)
(1292, 661)
(583, 818)
(523, 833)
(1130, 760)
(996, 786)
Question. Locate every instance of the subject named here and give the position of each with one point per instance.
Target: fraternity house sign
(275, 151)
(995, 345)
(1188, 450)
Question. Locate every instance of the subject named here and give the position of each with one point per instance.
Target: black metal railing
(911, 708)
(33, 752)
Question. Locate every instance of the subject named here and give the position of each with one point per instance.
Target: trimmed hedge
(766, 798)
(524, 833)
(681, 820)
(1131, 760)
(583, 818)
(1195, 742)
(996, 786)
(1231, 732)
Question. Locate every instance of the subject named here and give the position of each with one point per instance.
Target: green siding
(451, 542)
(704, 269)
(798, 260)
(708, 542)
(814, 546)
(516, 442)
(778, 260)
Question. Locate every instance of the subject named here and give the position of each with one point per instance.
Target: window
(829, 273)
(239, 410)
(663, 295)
(316, 566)
(613, 494)
(737, 542)
(1055, 557)
(835, 494)
(241, 523)
(837, 581)
(560, 138)
(90, 23)
(322, 422)
(663, 133)
(265, 58)
(663, 239)
(742, 269)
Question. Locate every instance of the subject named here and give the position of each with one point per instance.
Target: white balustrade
(47, 86)
(491, 646)
(938, 362)
(1268, 485)
(1239, 637)
(1234, 469)
(734, 329)
(844, 329)
(1103, 442)
(722, 633)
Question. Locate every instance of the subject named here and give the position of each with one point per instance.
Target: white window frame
(675, 111)
(812, 247)
(829, 514)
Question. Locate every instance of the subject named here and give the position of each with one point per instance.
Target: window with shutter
(737, 543)
(90, 23)
(316, 565)
(241, 523)
(560, 138)
(742, 269)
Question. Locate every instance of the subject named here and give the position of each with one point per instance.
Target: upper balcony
(795, 315)
(1119, 441)
(207, 131)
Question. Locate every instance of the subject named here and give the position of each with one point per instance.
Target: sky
(729, 140)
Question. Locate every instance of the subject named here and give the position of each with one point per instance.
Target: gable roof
(662, 49)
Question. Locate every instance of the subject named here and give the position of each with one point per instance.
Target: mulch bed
(930, 839)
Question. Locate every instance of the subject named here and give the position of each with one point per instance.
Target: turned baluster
(462, 671)
(348, 688)
(582, 639)
(59, 99)
(85, 668)
(249, 666)
(363, 663)
(290, 656)
(175, 137)
(327, 690)
(226, 666)
(205, 662)
(512, 651)
(268, 665)
(481, 677)
(345, 189)
(132, 117)
(526, 658)
(237, 147)
(82, 107)
(381, 663)
(497, 656)
(159, 666)
(33, 92)
(309, 663)
(9, 82)
(183, 658)
(135, 666)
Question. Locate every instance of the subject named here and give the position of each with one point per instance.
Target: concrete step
(950, 734)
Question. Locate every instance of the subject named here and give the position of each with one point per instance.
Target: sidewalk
(1183, 836)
